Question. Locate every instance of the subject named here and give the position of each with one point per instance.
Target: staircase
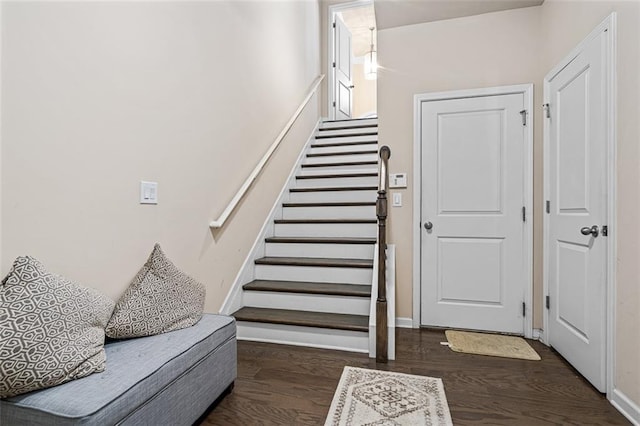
(312, 287)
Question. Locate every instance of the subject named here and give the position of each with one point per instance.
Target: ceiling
(397, 13)
(359, 20)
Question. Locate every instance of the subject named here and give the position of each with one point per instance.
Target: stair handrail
(219, 223)
(381, 213)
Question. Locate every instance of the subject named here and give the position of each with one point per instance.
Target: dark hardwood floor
(287, 385)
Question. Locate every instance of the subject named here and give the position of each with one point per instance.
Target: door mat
(491, 344)
(373, 397)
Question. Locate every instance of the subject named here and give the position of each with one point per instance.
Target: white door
(473, 266)
(343, 79)
(577, 190)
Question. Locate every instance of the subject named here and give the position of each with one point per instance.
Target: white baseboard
(404, 322)
(626, 406)
(537, 334)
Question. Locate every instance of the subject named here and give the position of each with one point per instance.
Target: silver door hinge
(548, 206)
(605, 231)
(524, 309)
(546, 302)
(524, 214)
(523, 113)
(547, 110)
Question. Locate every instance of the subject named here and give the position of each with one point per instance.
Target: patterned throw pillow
(161, 298)
(51, 330)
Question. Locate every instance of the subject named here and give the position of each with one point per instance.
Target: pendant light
(371, 61)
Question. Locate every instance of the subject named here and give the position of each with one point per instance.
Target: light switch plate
(396, 199)
(148, 192)
(397, 180)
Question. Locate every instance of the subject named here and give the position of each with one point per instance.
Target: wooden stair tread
(304, 319)
(331, 289)
(350, 120)
(336, 153)
(327, 145)
(358, 126)
(320, 240)
(332, 204)
(335, 188)
(338, 175)
(315, 261)
(352, 221)
(347, 135)
(341, 163)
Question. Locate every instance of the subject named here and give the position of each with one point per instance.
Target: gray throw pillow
(161, 298)
(51, 330)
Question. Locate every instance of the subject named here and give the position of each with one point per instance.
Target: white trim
(332, 10)
(233, 300)
(402, 322)
(527, 91)
(219, 223)
(608, 24)
(537, 333)
(626, 406)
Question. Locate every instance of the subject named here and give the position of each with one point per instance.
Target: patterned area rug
(491, 344)
(370, 397)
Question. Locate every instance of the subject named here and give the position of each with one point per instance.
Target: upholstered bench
(167, 379)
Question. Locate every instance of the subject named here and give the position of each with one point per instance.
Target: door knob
(352, 86)
(590, 231)
(428, 226)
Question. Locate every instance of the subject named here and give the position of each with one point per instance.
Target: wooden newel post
(381, 302)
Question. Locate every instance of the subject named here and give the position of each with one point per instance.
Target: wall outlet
(148, 192)
(397, 180)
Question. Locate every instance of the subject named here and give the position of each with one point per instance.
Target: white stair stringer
(326, 214)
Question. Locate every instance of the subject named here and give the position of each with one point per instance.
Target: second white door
(474, 240)
(342, 68)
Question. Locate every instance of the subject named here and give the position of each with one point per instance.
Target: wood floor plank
(288, 385)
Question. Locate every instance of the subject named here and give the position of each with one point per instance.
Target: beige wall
(455, 54)
(513, 47)
(364, 92)
(98, 96)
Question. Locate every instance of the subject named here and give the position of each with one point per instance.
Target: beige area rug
(371, 397)
(490, 344)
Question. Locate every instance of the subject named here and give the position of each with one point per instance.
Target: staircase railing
(381, 213)
(219, 223)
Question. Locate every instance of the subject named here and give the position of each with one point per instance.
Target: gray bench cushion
(137, 369)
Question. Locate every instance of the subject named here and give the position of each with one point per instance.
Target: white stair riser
(332, 251)
(329, 168)
(344, 148)
(342, 139)
(325, 230)
(353, 131)
(344, 340)
(349, 123)
(344, 212)
(314, 274)
(328, 196)
(340, 159)
(343, 181)
(314, 171)
(307, 302)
